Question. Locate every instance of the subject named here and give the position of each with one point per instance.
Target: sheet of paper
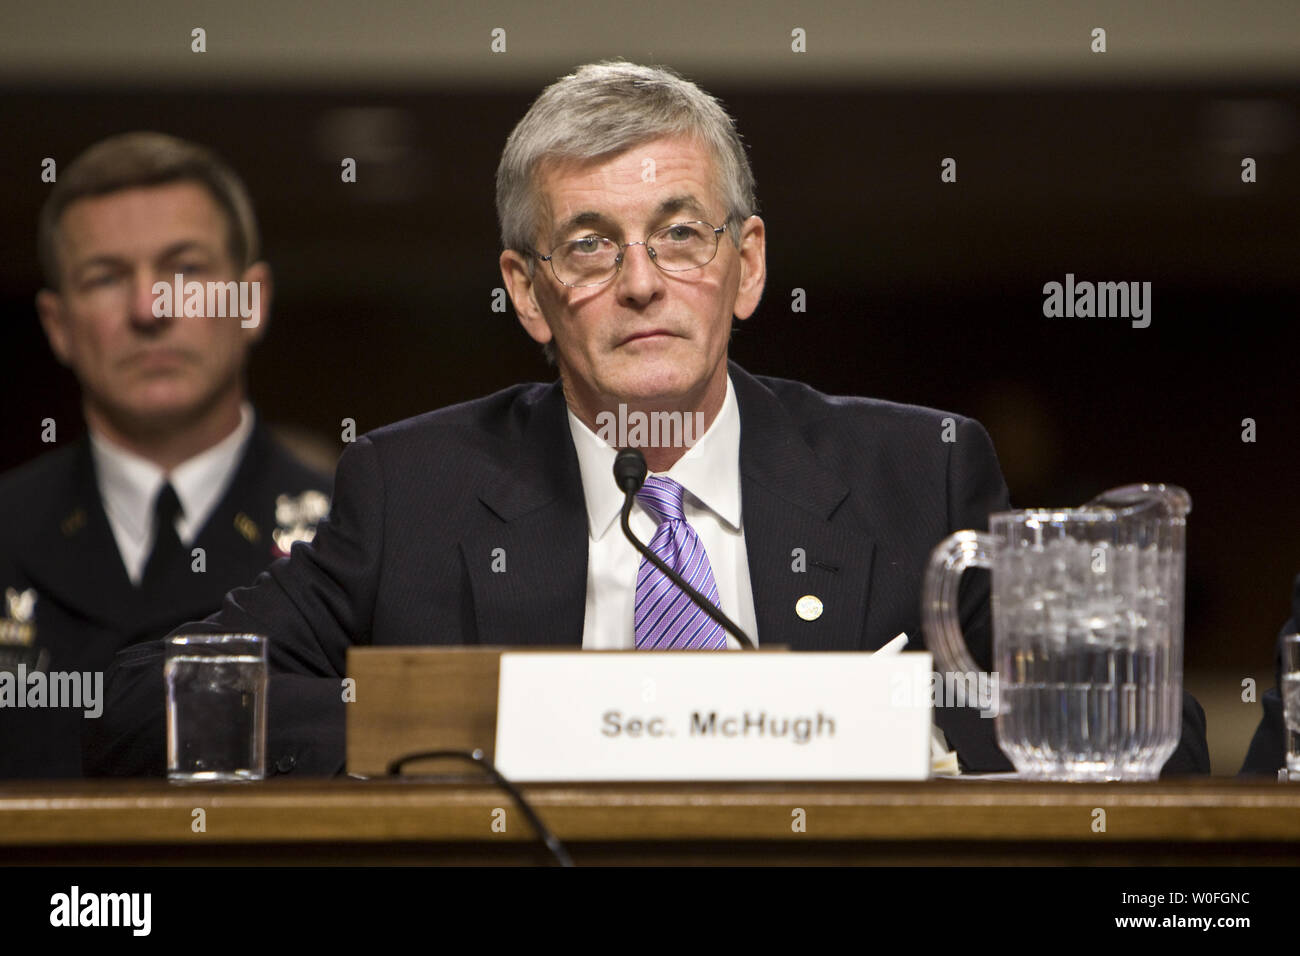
(943, 762)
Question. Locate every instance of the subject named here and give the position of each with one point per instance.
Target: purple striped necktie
(665, 618)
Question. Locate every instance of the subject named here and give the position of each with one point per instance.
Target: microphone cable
(630, 472)
(552, 844)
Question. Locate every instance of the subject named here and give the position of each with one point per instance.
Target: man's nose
(639, 279)
(143, 300)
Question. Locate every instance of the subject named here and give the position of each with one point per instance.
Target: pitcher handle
(950, 557)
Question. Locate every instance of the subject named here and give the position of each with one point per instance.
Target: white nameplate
(699, 715)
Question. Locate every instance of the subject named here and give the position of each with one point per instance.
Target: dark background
(917, 291)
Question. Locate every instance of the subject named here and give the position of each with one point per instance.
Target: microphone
(629, 472)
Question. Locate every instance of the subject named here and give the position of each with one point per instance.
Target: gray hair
(606, 108)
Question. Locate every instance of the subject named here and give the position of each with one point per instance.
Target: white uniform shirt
(128, 485)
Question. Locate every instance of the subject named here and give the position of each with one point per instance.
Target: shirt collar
(710, 469)
(128, 484)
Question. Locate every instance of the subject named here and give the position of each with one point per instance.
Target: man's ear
(522, 287)
(49, 306)
(259, 272)
(753, 266)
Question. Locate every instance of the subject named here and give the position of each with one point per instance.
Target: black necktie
(167, 554)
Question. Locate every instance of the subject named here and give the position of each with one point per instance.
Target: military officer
(1267, 753)
(178, 492)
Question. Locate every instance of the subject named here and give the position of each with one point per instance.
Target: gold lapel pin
(809, 607)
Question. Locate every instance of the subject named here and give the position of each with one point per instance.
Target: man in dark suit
(1267, 753)
(626, 207)
(177, 493)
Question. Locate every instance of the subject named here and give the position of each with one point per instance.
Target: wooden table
(323, 822)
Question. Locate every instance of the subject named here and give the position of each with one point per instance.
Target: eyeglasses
(593, 260)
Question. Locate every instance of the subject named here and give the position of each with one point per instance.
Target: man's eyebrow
(685, 202)
(183, 247)
(590, 217)
(171, 252)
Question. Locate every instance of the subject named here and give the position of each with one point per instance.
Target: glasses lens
(684, 245)
(585, 261)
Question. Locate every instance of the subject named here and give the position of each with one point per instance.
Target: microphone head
(629, 470)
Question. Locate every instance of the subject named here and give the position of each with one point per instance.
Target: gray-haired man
(627, 214)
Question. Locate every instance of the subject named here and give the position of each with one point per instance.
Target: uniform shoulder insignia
(296, 517)
(17, 625)
(20, 605)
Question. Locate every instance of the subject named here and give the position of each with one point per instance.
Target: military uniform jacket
(69, 604)
(1267, 753)
(865, 488)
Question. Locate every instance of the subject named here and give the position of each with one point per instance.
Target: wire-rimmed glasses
(593, 260)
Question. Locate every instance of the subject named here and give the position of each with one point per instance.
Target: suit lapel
(75, 561)
(799, 537)
(527, 561)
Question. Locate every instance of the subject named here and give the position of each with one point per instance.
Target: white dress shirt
(710, 473)
(128, 485)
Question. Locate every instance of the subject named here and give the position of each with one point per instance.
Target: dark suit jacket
(1267, 753)
(57, 542)
(865, 487)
